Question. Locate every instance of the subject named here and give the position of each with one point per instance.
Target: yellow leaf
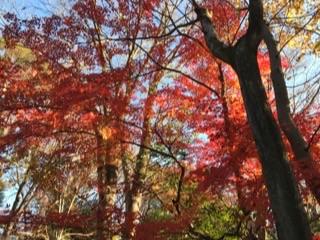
(106, 132)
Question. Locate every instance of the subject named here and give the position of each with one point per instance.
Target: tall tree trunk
(286, 204)
(100, 228)
(235, 162)
(135, 198)
(287, 124)
(107, 176)
(111, 167)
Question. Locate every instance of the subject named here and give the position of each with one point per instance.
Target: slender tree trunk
(299, 146)
(13, 212)
(17, 205)
(111, 167)
(135, 198)
(101, 188)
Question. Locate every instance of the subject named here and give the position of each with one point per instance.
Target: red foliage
(90, 76)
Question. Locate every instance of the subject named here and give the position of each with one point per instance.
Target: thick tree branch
(282, 100)
(217, 47)
(288, 126)
(255, 23)
(255, 16)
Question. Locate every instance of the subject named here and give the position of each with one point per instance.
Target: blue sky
(27, 8)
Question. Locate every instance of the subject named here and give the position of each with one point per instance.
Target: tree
(128, 98)
(283, 193)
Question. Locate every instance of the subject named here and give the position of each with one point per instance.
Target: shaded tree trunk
(299, 146)
(286, 204)
(235, 162)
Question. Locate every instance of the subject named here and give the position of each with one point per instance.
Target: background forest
(160, 119)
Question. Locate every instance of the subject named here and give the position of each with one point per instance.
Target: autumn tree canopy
(160, 120)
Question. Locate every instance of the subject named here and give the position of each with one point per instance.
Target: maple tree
(124, 119)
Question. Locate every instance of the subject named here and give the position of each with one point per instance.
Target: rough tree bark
(286, 204)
